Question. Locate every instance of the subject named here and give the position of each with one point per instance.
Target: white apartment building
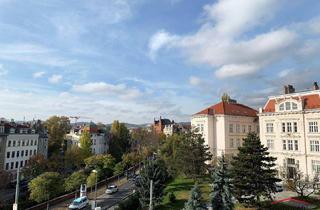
(224, 125)
(289, 127)
(19, 144)
(99, 139)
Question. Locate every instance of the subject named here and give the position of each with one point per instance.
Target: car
(112, 189)
(79, 203)
(279, 186)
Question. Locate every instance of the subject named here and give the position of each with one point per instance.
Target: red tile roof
(311, 101)
(229, 109)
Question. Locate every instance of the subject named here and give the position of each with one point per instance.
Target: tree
(102, 163)
(74, 181)
(85, 144)
(74, 158)
(57, 128)
(119, 140)
(193, 155)
(152, 170)
(37, 165)
(195, 200)
(221, 196)
(253, 172)
(169, 154)
(45, 186)
(5, 179)
(92, 178)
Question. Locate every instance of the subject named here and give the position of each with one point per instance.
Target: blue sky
(134, 60)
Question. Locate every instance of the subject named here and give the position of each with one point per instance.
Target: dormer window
(281, 107)
(294, 106)
(288, 106)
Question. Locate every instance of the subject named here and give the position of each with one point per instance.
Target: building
(159, 125)
(173, 128)
(43, 144)
(19, 142)
(98, 137)
(289, 127)
(224, 125)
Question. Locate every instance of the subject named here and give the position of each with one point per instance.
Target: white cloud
(233, 70)
(120, 90)
(193, 80)
(3, 71)
(159, 40)
(285, 72)
(55, 78)
(38, 74)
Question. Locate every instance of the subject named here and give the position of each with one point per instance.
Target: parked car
(112, 189)
(79, 203)
(279, 186)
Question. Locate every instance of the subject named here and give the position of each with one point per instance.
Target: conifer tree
(195, 200)
(253, 172)
(221, 196)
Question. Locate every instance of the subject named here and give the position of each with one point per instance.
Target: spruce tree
(221, 196)
(195, 200)
(253, 172)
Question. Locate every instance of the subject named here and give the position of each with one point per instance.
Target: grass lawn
(181, 187)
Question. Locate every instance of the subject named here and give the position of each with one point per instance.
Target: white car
(112, 189)
(79, 203)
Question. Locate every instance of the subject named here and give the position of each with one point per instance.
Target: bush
(172, 197)
(132, 203)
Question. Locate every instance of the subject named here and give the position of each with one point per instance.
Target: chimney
(315, 86)
(289, 89)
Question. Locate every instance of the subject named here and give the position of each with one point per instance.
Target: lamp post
(15, 205)
(95, 190)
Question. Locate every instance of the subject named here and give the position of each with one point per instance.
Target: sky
(133, 60)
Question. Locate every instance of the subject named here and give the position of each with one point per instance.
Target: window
(25, 162)
(290, 145)
(30, 152)
(27, 144)
(11, 165)
(283, 127)
(22, 153)
(281, 107)
(270, 144)
(249, 128)
(22, 142)
(294, 106)
(19, 143)
(237, 128)
(244, 129)
(31, 143)
(269, 127)
(8, 154)
(231, 143)
(12, 154)
(26, 152)
(313, 127)
(230, 128)
(296, 146)
(288, 106)
(34, 152)
(314, 146)
(35, 142)
(289, 127)
(17, 164)
(238, 143)
(7, 166)
(291, 161)
(284, 144)
(201, 127)
(13, 143)
(295, 127)
(9, 143)
(18, 153)
(21, 163)
(315, 166)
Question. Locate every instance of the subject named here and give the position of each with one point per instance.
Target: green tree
(192, 155)
(74, 158)
(152, 170)
(45, 186)
(92, 178)
(221, 196)
(86, 143)
(120, 140)
(102, 163)
(57, 128)
(36, 165)
(195, 200)
(253, 172)
(74, 181)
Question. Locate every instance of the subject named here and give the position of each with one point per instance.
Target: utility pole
(151, 192)
(15, 205)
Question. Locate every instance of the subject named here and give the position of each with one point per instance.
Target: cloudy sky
(133, 60)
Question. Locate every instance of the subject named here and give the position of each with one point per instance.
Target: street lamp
(15, 205)
(95, 191)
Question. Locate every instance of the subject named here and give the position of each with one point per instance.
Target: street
(104, 201)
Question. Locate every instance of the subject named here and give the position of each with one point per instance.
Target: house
(289, 127)
(224, 125)
(159, 125)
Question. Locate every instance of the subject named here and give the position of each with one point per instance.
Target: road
(105, 201)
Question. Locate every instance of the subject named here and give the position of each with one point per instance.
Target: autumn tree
(119, 141)
(74, 158)
(86, 143)
(104, 164)
(57, 128)
(74, 181)
(37, 165)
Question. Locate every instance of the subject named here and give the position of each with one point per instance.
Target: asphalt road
(104, 201)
